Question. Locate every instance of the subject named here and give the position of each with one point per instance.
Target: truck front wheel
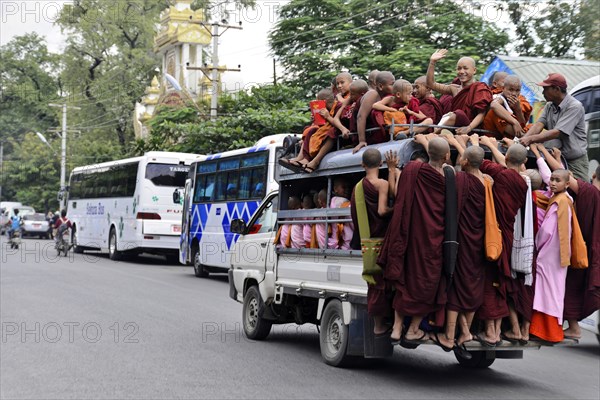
(255, 327)
(334, 335)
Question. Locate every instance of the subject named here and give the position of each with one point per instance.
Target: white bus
(129, 206)
(223, 187)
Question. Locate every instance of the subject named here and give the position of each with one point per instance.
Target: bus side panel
(210, 227)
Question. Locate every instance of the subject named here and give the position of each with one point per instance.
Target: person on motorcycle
(64, 222)
(15, 224)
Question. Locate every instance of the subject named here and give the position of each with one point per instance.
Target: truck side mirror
(238, 226)
(176, 196)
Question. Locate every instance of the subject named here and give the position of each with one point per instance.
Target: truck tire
(199, 270)
(479, 360)
(113, 253)
(334, 336)
(255, 327)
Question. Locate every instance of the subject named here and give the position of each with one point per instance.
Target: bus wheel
(113, 253)
(199, 270)
(75, 240)
(481, 359)
(334, 335)
(255, 327)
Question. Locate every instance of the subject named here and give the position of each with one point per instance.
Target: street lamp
(178, 87)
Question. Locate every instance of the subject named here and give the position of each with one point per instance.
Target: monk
(372, 79)
(345, 119)
(510, 190)
(471, 98)
(319, 233)
(290, 235)
(376, 200)
(582, 295)
(553, 242)
(342, 232)
(509, 111)
(384, 82)
(428, 104)
(496, 82)
(299, 161)
(401, 107)
(465, 293)
(411, 255)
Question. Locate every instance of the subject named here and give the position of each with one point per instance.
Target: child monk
(401, 107)
(319, 234)
(471, 98)
(553, 242)
(342, 235)
(428, 104)
(375, 191)
(496, 82)
(284, 238)
(307, 204)
(509, 111)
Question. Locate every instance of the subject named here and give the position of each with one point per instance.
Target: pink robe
(551, 278)
(283, 238)
(348, 230)
(297, 232)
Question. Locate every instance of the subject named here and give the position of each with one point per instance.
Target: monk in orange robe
(509, 111)
(496, 82)
(471, 98)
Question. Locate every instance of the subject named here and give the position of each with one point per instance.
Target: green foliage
(314, 42)
(243, 119)
(556, 28)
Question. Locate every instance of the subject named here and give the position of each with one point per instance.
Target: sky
(247, 47)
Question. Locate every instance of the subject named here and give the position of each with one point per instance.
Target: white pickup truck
(319, 286)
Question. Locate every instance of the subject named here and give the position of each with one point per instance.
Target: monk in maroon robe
(411, 255)
(465, 292)
(376, 196)
(428, 104)
(582, 296)
(510, 192)
(471, 98)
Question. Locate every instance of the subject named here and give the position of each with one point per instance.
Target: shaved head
(562, 174)
(421, 79)
(512, 80)
(535, 178)
(371, 158)
(474, 155)
(438, 149)
(516, 154)
(385, 77)
(345, 76)
(373, 77)
(597, 173)
(496, 76)
(401, 85)
(325, 94)
(294, 203)
(467, 60)
(359, 86)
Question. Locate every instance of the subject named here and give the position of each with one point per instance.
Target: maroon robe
(466, 291)
(582, 296)
(411, 255)
(510, 192)
(446, 99)
(469, 102)
(378, 295)
(432, 108)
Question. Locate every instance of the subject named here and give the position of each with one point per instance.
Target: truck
(320, 286)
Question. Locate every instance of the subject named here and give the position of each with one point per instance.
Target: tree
(556, 28)
(243, 119)
(313, 42)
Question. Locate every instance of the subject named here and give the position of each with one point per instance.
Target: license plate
(176, 228)
(37, 225)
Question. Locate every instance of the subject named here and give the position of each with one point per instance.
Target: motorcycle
(63, 241)
(15, 239)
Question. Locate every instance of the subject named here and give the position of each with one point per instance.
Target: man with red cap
(563, 118)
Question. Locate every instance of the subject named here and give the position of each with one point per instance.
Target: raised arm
(391, 159)
(382, 207)
(430, 78)
(552, 162)
(493, 146)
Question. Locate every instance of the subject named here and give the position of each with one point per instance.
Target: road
(87, 327)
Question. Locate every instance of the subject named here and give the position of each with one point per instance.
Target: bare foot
(572, 333)
(464, 338)
(416, 335)
(512, 336)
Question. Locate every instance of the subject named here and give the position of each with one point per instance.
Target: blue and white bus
(221, 188)
(129, 206)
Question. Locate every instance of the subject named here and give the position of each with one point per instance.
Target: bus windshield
(167, 174)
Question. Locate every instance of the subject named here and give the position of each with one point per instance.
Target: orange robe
(495, 124)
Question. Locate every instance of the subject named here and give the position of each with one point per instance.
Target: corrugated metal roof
(532, 70)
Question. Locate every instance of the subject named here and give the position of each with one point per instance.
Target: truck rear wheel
(481, 359)
(334, 335)
(255, 327)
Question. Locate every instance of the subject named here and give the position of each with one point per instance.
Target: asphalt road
(87, 327)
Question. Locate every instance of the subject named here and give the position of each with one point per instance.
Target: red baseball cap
(554, 79)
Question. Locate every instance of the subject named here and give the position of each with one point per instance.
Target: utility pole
(1, 166)
(214, 69)
(63, 153)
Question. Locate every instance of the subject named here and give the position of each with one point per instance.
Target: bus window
(167, 175)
